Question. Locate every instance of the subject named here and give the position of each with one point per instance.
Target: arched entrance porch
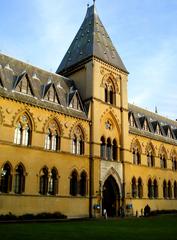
(111, 197)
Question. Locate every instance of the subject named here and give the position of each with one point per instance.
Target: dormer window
(75, 103)
(145, 126)
(158, 131)
(169, 133)
(132, 121)
(51, 95)
(23, 85)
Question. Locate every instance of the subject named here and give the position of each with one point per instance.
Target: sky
(144, 33)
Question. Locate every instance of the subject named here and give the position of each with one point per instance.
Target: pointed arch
(109, 77)
(20, 173)
(53, 181)
(44, 177)
(150, 153)
(135, 144)
(78, 139)
(74, 182)
(83, 183)
(163, 156)
(6, 178)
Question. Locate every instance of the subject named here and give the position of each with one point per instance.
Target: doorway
(111, 197)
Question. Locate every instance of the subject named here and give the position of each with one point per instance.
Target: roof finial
(87, 5)
(94, 2)
(156, 109)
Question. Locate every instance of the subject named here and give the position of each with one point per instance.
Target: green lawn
(152, 228)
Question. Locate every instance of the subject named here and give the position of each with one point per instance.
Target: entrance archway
(111, 197)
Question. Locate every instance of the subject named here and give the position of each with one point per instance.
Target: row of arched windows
(136, 155)
(48, 181)
(152, 189)
(23, 135)
(108, 149)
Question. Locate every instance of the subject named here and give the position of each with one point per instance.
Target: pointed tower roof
(91, 40)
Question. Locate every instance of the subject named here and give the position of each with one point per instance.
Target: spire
(91, 40)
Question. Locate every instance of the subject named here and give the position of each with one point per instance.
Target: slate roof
(11, 73)
(153, 119)
(91, 40)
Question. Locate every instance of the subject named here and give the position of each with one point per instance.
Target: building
(71, 143)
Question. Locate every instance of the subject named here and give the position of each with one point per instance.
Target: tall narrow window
(18, 134)
(134, 188)
(53, 182)
(6, 179)
(114, 150)
(78, 141)
(109, 149)
(165, 192)
(150, 189)
(83, 184)
(155, 189)
(74, 145)
(175, 189)
(136, 157)
(52, 139)
(169, 190)
(140, 188)
(111, 96)
(103, 148)
(106, 93)
(44, 182)
(19, 180)
(23, 131)
(74, 183)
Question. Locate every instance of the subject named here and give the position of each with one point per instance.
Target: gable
(23, 84)
(75, 102)
(51, 94)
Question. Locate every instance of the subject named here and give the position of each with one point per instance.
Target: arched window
(174, 164)
(53, 182)
(163, 161)
(103, 148)
(109, 149)
(106, 93)
(165, 192)
(74, 183)
(111, 95)
(155, 189)
(18, 134)
(175, 190)
(19, 180)
(150, 159)
(134, 188)
(114, 150)
(78, 146)
(43, 189)
(23, 131)
(6, 179)
(140, 188)
(150, 189)
(52, 139)
(169, 190)
(83, 184)
(136, 156)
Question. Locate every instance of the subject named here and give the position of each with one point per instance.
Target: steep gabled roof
(91, 40)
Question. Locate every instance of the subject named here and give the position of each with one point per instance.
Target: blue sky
(144, 33)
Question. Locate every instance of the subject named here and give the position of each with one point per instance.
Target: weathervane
(94, 2)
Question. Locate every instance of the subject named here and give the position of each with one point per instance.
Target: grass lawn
(153, 228)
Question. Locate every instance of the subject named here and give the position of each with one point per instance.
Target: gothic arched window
(150, 189)
(19, 180)
(53, 182)
(6, 179)
(43, 189)
(165, 189)
(83, 184)
(74, 183)
(103, 148)
(23, 131)
(134, 188)
(155, 189)
(110, 93)
(169, 190)
(136, 156)
(140, 188)
(175, 189)
(114, 150)
(52, 139)
(109, 149)
(78, 141)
